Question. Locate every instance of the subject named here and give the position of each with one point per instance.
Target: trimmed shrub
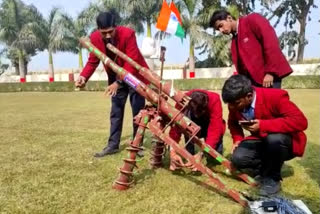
(291, 82)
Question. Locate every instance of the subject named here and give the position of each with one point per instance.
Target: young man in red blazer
(205, 110)
(276, 125)
(124, 39)
(255, 48)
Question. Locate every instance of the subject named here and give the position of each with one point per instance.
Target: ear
(229, 18)
(249, 96)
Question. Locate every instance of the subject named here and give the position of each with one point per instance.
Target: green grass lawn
(46, 162)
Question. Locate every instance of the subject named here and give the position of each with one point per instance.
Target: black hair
(236, 87)
(218, 16)
(199, 102)
(107, 19)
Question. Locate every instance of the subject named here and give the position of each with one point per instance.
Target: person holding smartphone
(276, 125)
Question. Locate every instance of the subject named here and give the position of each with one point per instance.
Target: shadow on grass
(206, 185)
(311, 162)
(143, 175)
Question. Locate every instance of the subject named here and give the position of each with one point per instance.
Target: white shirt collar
(253, 104)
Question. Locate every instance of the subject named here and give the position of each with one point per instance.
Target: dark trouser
(204, 124)
(266, 156)
(218, 148)
(117, 112)
(276, 82)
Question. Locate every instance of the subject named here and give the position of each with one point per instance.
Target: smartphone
(246, 122)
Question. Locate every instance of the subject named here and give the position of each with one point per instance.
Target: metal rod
(205, 170)
(169, 112)
(154, 79)
(162, 59)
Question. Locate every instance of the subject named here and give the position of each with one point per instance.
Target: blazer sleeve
(289, 117)
(236, 130)
(132, 51)
(215, 128)
(267, 36)
(175, 133)
(92, 63)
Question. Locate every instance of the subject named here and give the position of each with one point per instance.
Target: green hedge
(311, 82)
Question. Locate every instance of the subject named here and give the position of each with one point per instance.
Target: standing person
(124, 39)
(255, 48)
(205, 110)
(276, 125)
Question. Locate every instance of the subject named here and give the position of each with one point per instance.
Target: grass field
(46, 162)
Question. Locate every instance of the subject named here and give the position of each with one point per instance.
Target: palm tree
(3, 66)
(57, 35)
(13, 55)
(121, 7)
(193, 18)
(20, 26)
(80, 29)
(218, 46)
(144, 11)
(79, 32)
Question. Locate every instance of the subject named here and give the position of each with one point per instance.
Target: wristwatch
(119, 82)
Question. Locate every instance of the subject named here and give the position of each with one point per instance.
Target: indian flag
(169, 20)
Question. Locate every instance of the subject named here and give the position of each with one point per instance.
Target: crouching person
(276, 125)
(205, 110)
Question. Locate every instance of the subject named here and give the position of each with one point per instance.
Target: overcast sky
(177, 52)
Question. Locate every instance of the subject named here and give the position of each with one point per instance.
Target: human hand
(112, 89)
(80, 82)
(234, 146)
(267, 81)
(254, 127)
(175, 161)
(198, 158)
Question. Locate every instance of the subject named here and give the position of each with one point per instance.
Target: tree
(13, 55)
(245, 7)
(85, 23)
(57, 35)
(289, 39)
(20, 26)
(217, 47)
(144, 11)
(89, 14)
(192, 22)
(3, 66)
(293, 11)
(79, 32)
(80, 29)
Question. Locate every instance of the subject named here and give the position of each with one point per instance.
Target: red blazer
(258, 47)
(217, 125)
(126, 42)
(277, 114)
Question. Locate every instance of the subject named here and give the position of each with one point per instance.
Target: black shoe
(106, 151)
(269, 187)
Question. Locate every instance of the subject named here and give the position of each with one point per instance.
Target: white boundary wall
(63, 75)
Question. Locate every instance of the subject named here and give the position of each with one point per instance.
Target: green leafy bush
(291, 82)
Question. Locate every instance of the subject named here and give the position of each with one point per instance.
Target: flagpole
(162, 59)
